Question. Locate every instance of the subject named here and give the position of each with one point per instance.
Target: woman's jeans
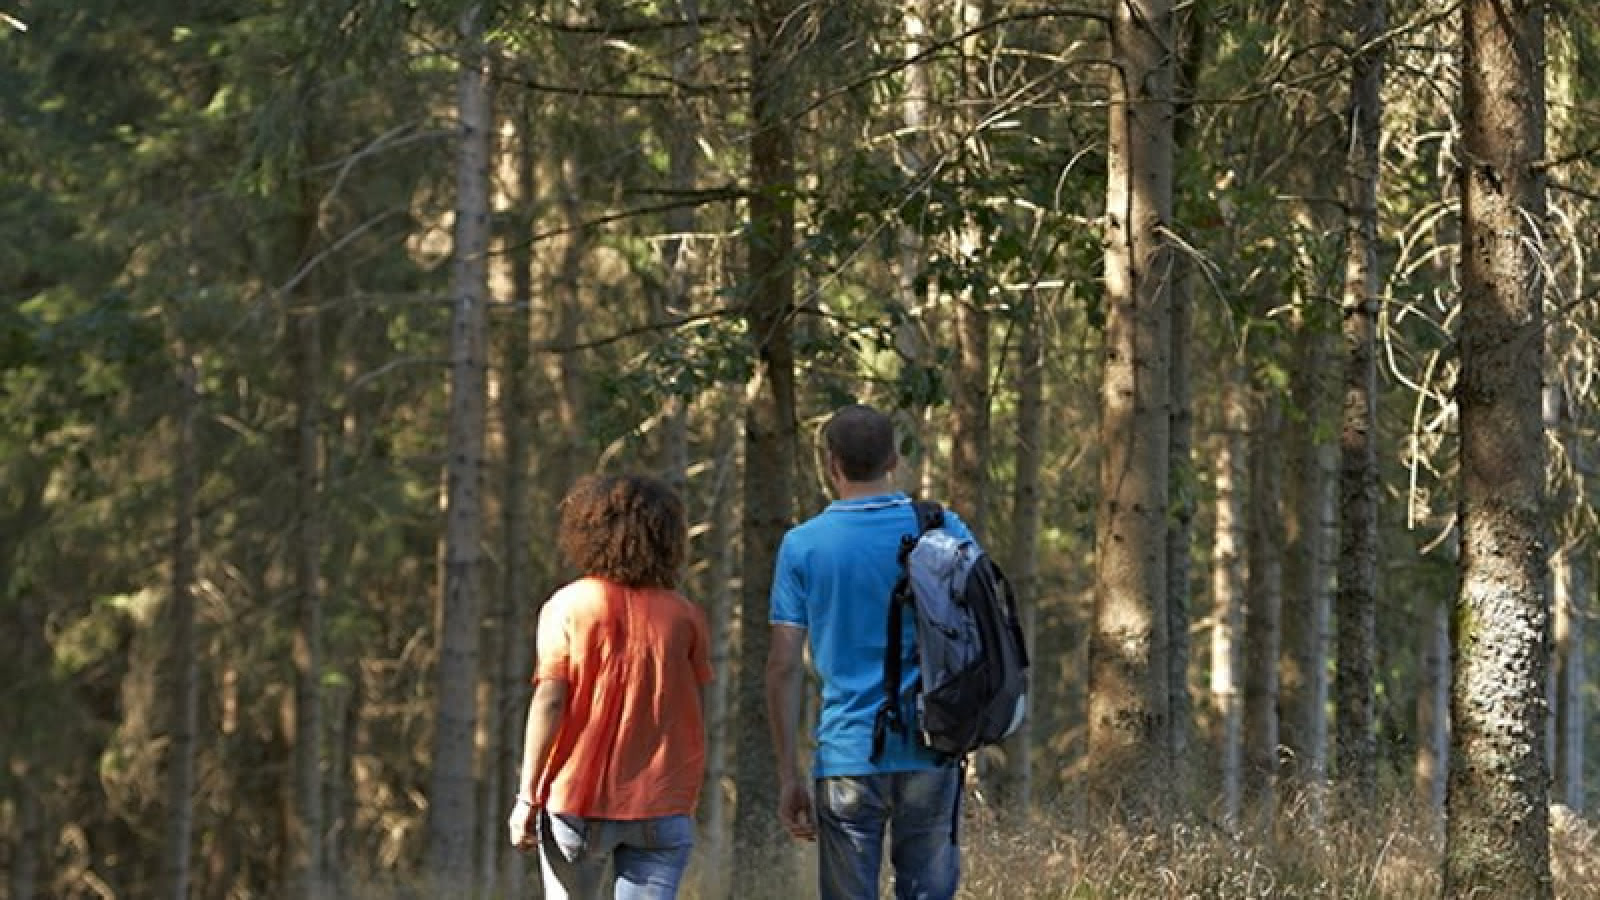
(917, 808)
(650, 856)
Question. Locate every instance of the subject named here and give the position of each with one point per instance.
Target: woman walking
(614, 752)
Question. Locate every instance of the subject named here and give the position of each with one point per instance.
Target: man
(831, 592)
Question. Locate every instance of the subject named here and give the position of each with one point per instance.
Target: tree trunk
(718, 591)
(969, 394)
(1128, 723)
(760, 846)
(452, 793)
(306, 825)
(517, 416)
(1570, 587)
(1263, 617)
(1182, 472)
(1497, 822)
(1570, 579)
(1356, 755)
(1308, 600)
(1433, 709)
(677, 251)
(1180, 535)
(1228, 574)
(182, 691)
(1025, 520)
(911, 335)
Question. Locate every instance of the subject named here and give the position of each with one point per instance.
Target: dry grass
(1393, 857)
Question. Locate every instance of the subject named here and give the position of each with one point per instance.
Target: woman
(615, 747)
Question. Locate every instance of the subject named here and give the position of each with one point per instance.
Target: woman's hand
(524, 825)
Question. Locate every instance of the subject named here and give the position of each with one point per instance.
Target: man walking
(831, 591)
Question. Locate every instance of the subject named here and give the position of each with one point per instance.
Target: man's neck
(855, 490)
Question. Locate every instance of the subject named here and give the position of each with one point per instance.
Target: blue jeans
(918, 810)
(649, 854)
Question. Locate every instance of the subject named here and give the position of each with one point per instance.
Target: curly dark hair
(631, 529)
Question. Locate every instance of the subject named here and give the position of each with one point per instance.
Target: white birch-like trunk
(1228, 571)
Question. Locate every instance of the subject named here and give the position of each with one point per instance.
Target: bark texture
(1128, 717)
(769, 436)
(1497, 831)
(1356, 753)
(452, 793)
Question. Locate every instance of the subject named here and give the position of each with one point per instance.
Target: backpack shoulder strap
(929, 515)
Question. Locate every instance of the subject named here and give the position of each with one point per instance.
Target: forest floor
(1397, 858)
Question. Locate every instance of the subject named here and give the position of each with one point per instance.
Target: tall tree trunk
(1180, 533)
(911, 335)
(452, 793)
(517, 416)
(1356, 739)
(969, 395)
(1228, 575)
(1182, 472)
(1263, 617)
(677, 251)
(1128, 723)
(1433, 709)
(718, 591)
(182, 690)
(760, 851)
(1497, 821)
(1308, 576)
(1025, 519)
(306, 829)
(1571, 582)
(1570, 587)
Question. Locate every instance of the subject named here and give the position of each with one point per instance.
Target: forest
(1256, 340)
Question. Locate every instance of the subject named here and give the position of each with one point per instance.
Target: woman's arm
(544, 720)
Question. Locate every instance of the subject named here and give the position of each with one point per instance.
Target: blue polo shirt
(833, 578)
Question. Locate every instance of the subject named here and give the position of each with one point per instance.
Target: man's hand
(523, 825)
(796, 811)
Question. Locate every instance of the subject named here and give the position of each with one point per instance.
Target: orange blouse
(631, 744)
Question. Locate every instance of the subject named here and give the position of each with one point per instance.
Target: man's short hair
(861, 440)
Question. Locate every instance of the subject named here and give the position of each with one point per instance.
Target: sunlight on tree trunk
(1497, 824)
(1128, 724)
(1228, 576)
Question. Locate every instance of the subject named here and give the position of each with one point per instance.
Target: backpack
(974, 666)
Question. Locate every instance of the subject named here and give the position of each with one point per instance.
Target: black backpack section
(970, 652)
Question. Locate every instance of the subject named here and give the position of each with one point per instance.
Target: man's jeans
(650, 856)
(918, 809)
